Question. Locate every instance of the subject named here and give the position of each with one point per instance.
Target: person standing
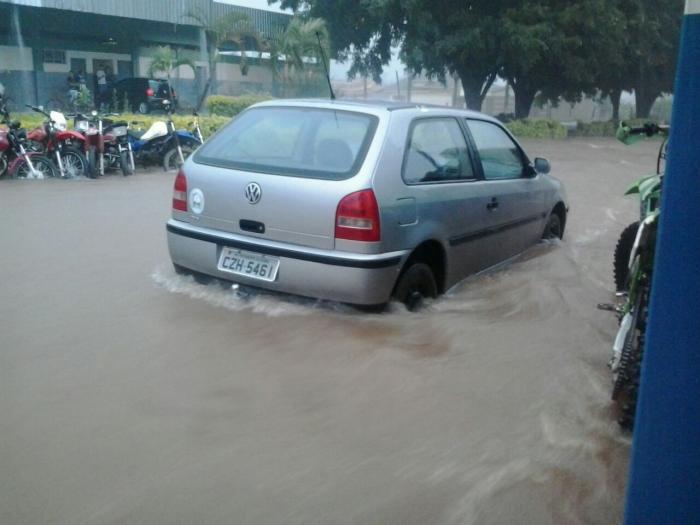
(73, 90)
(102, 89)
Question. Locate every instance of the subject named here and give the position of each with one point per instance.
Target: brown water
(131, 395)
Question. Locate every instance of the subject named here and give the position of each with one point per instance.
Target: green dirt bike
(633, 265)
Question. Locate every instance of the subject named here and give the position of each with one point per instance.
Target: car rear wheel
(415, 284)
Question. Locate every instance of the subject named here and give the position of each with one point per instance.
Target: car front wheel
(554, 229)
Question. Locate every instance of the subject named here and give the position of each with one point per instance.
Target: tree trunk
(644, 100)
(475, 87)
(455, 93)
(615, 95)
(524, 98)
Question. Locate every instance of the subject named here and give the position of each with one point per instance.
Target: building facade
(41, 41)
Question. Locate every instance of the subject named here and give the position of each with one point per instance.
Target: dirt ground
(131, 395)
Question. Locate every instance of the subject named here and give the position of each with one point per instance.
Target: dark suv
(144, 94)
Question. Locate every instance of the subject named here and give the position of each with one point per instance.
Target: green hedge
(232, 106)
(597, 128)
(208, 124)
(537, 129)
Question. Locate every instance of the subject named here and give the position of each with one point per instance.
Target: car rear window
(299, 142)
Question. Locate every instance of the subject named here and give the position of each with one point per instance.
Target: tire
(415, 284)
(124, 163)
(554, 228)
(171, 160)
(3, 165)
(40, 163)
(626, 384)
(621, 259)
(143, 108)
(74, 163)
(93, 170)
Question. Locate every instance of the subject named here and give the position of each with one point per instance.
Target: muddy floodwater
(131, 395)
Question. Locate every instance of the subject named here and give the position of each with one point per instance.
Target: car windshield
(295, 141)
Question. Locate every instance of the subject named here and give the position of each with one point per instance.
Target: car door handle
(492, 205)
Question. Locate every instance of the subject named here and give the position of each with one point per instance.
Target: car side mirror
(542, 166)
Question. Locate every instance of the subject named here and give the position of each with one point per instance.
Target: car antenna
(325, 65)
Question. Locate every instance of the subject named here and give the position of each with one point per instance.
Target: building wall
(14, 59)
(121, 32)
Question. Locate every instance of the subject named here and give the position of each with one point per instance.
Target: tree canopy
(554, 48)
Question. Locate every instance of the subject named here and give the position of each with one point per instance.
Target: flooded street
(129, 394)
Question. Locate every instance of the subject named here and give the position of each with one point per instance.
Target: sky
(339, 70)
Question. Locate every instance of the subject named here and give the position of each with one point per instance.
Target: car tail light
(357, 217)
(149, 92)
(180, 192)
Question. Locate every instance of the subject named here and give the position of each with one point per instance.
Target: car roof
(375, 107)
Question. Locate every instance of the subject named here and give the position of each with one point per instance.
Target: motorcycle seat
(157, 129)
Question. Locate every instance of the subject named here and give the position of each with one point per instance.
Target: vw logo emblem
(197, 201)
(253, 193)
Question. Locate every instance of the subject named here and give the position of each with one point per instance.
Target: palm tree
(235, 29)
(165, 60)
(295, 46)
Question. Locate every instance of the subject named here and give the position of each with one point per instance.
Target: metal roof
(168, 11)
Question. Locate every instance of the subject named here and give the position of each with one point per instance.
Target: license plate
(253, 265)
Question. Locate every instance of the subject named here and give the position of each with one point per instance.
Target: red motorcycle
(15, 160)
(65, 147)
(107, 143)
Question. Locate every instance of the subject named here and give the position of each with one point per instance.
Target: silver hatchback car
(359, 202)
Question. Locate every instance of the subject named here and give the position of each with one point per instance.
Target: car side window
(436, 152)
(500, 156)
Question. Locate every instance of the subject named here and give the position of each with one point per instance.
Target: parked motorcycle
(107, 142)
(164, 145)
(16, 160)
(65, 147)
(633, 265)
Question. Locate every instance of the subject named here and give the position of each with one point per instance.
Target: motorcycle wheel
(3, 166)
(93, 170)
(41, 164)
(621, 259)
(171, 159)
(124, 163)
(626, 385)
(74, 163)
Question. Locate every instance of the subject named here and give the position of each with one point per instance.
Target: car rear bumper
(337, 276)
